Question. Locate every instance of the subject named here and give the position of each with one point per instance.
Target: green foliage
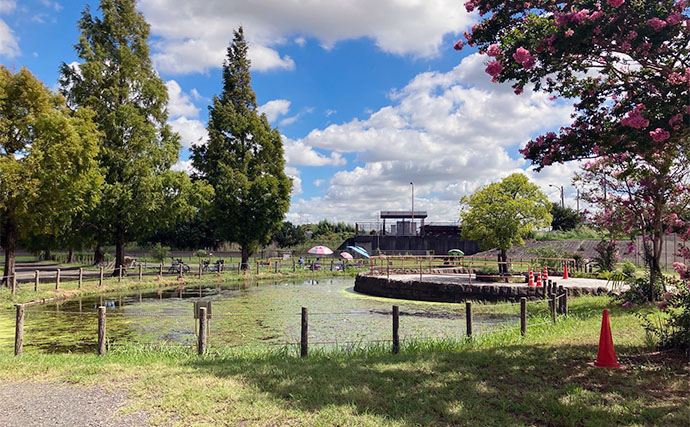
(564, 219)
(672, 331)
(288, 235)
(242, 160)
(201, 253)
(550, 252)
(159, 252)
(117, 80)
(580, 233)
(501, 214)
(607, 255)
(325, 230)
(629, 270)
(48, 174)
(640, 292)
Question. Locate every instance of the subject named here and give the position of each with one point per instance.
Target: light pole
(413, 230)
(560, 188)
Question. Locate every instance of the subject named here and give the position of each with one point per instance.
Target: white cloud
(298, 153)
(274, 109)
(52, 4)
(179, 103)
(7, 6)
(449, 133)
(184, 166)
(191, 131)
(193, 36)
(9, 46)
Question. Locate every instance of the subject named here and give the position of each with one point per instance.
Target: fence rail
(556, 296)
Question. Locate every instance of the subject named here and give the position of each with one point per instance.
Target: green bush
(159, 252)
(607, 255)
(639, 292)
(201, 253)
(672, 331)
(629, 270)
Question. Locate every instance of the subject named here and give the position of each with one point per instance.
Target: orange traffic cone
(546, 274)
(531, 278)
(539, 278)
(565, 271)
(606, 357)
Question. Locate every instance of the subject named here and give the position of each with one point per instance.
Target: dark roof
(402, 214)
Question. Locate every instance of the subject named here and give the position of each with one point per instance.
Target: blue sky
(368, 95)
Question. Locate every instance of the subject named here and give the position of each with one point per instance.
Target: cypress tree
(242, 160)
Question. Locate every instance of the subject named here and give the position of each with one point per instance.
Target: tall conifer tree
(242, 160)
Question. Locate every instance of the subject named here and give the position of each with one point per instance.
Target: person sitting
(338, 265)
(301, 262)
(317, 264)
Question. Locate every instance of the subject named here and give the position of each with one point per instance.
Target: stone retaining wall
(457, 292)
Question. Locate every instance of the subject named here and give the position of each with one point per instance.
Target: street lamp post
(560, 188)
(413, 230)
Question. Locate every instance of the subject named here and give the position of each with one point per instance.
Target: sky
(368, 96)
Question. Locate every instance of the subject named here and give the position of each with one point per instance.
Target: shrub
(629, 270)
(639, 292)
(672, 330)
(607, 255)
(550, 252)
(201, 253)
(159, 252)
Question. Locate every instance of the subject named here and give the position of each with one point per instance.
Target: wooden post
(81, 277)
(141, 272)
(388, 269)
(160, 270)
(200, 270)
(304, 340)
(553, 309)
(468, 317)
(257, 266)
(119, 274)
(239, 267)
(275, 267)
(57, 279)
(203, 332)
(19, 330)
(101, 331)
(36, 279)
(564, 302)
(294, 266)
(420, 269)
(523, 316)
(100, 277)
(396, 325)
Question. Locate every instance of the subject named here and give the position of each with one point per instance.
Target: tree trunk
(47, 255)
(9, 243)
(245, 257)
(502, 258)
(98, 256)
(70, 256)
(119, 252)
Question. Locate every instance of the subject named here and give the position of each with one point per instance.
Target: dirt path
(34, 404)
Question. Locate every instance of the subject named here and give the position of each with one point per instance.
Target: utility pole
(562, 199)
(412, 184)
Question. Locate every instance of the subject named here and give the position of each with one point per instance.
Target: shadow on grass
(512, 385)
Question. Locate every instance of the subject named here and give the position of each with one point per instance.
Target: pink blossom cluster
(615, 3)
(682, 270)
(656, 23)
(634, 119)
(523, 57)
(493, 51)
(659, 135)
(494, 68)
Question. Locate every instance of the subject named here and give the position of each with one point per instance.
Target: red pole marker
(531, 278)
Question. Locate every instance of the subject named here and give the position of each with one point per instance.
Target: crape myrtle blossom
(626, 66)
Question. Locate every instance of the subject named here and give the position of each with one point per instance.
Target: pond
(244, 314)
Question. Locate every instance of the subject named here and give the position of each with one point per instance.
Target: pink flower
(493, 50)
(470, 5)
(656, 23)
(552, 98)
(615, 3)
(626, 304)
(674, 119)
(668, 295)
(675, 78)
(494, 68)
(625, 46)
(631, 35)
(518, 90)
(596, 15)
(659, 135)
(634, 119)
(674, 18)
(521, 55)
(458, 45)
(662, 305)
(569, 33)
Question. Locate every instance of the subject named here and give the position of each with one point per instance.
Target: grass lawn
(501, 379)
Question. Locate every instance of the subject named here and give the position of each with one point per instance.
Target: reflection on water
(243, 314)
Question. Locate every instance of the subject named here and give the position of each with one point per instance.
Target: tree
(117, 80)
(564, 219)
(47, 169)
(501, 214)
(289, 235)
(626, 64)
(242, 160)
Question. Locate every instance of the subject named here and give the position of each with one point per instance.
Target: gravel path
(32, 404)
